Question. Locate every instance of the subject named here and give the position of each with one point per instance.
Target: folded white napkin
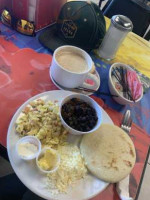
(123, 189)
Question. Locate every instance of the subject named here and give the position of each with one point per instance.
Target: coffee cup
(71, 66)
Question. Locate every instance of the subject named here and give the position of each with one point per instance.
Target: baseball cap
(79, 23)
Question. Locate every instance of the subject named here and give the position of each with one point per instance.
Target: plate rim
(9, 132)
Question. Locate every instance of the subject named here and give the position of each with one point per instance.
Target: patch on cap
(68, 29)
(89, 2)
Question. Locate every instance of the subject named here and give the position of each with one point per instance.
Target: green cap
(80, 23)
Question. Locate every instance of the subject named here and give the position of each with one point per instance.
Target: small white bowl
(92, 103)
(32, 140)
(120, 99)
(41, 154)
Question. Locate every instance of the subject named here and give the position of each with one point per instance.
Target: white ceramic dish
(32, 140)
(80, 91)
(29, 174)
(41, 154)
(119, 99)
(92, 103)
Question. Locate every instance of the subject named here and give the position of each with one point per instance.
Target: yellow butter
(48, 160)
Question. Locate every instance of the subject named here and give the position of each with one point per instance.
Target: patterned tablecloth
(24, 72)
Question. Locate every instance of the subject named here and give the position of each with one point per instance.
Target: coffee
(72, 61)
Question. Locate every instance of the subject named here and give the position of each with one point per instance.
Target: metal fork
(127, 122)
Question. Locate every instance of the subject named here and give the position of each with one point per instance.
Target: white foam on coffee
(72, 61)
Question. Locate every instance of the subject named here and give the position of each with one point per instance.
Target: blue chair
(138, 12)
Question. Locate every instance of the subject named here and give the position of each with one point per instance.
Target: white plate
(30, 175)
(80, 91)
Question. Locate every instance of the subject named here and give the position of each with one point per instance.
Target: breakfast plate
(28, 172)
(75, 90)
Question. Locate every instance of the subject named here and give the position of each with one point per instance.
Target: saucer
(73, 89)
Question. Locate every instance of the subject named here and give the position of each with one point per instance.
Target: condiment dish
(41, 154)
(24, 152)
(89, 101)
(117, 96)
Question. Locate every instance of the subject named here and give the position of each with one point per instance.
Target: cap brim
(50, 40)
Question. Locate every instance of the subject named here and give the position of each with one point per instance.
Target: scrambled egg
(70, 170)
(41, 119)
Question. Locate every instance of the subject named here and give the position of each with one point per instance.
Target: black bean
(83, 119)
(79, 115)
(75, 122)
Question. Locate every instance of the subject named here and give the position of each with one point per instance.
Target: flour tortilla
(109, 153)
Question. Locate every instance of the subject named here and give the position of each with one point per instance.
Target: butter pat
(48, 161)
(27, 149)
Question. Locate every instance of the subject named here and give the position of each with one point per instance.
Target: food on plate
(109, 153)
(48, 160)
(79, 115)
(41, 119)
(70, 170)
(27, 149)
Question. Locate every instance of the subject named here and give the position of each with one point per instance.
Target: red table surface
(25, 73)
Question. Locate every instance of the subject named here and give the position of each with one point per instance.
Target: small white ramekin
(42, 153)
(32, 140)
